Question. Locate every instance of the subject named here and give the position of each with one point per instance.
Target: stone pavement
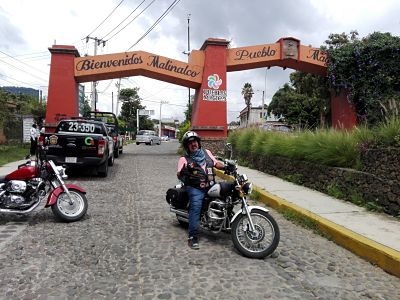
(129, 246)
(373, 236)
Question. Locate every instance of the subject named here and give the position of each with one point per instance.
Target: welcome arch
(206, 72)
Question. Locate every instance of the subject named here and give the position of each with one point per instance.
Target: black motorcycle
(254, 231)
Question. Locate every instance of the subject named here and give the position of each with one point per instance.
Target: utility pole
(263, 97)
(188, 53)
(262, 109)
(112, 102)
(97, 42)
(159, 129)
(118, 85)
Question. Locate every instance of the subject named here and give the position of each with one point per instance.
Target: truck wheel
(102, 170)
(137, 143)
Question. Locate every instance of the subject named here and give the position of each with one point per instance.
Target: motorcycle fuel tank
(215, 191)
(221, 190)
(23, 173)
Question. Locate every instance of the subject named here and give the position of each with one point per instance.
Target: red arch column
(209, 115)
(63, 89)
(343, 112)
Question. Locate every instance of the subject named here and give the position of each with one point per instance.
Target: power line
(23, 63)
(126, 19)
(106, 17)
(23, 71)
(164, 14)
(28, 84)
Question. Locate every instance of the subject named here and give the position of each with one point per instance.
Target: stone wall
(377, 183)
(384, 163)
(216, 146)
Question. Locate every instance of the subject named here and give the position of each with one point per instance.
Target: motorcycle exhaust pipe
(179, 212)
(21, 212)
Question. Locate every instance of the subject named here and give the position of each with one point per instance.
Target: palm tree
(247, 92)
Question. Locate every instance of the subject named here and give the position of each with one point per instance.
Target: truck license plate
(70, 159)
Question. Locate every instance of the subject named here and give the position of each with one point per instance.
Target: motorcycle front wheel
(260, 243)
(67, 212)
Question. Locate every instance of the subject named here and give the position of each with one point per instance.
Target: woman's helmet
(188, 137)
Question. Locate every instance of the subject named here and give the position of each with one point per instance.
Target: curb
(385, 257)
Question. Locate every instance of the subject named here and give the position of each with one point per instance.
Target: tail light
(101, 147)
(115, 139)
(41, 140)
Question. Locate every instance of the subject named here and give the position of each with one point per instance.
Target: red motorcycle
(23, 190)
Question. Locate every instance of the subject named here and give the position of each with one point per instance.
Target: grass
(11, 153)
(330, 147)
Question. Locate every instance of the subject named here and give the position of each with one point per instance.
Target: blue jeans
(196, 197)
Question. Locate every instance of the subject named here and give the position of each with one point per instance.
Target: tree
(130, 104)
(369, 70)
(86, 107)
(303, 102)
(313, 86)
(247, 92)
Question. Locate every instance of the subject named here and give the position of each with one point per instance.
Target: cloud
(10, 35)
(243, 23)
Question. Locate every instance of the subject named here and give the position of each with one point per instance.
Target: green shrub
(330, 147)
(334, 191)
(295, 178)
(388, 133)
(246, 140)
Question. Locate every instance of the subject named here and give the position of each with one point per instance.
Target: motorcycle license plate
(70, 159)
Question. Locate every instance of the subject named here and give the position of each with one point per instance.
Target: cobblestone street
(129, 246)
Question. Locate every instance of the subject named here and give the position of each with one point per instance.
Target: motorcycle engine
(216, 213)
(16, 186)
(17, 194)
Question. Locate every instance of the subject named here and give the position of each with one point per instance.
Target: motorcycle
(24, 189)
(254, 232)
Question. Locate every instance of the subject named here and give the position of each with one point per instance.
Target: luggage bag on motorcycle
(177, 197)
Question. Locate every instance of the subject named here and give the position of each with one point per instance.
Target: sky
(28, 28)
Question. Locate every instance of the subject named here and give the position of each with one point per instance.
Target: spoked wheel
(260, 243)
(67, 212)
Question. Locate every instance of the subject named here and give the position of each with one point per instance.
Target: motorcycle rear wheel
(261, 243)
(70, 212)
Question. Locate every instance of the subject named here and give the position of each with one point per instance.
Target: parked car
(118, 139)
(148, 137)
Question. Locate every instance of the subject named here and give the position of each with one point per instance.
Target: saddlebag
(177, 197)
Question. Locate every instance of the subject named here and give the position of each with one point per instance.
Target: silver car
(149, 137)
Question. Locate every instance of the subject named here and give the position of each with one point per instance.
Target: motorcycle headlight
(247, 188)
(61, 172)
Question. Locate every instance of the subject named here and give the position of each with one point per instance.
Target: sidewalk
(372, 236)
(10, 167)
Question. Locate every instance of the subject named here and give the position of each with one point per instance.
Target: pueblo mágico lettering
(245, 54)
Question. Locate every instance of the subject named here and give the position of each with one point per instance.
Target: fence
(16, 129)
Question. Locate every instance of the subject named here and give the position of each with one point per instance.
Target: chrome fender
(250, 209)
(57, 191)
